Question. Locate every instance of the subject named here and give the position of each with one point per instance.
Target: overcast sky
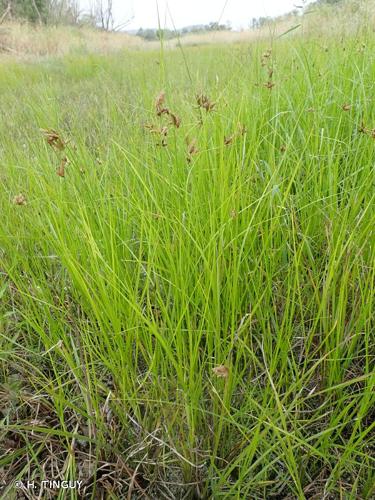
(187, 12)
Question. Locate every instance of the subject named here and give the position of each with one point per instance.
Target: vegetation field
(187, 272)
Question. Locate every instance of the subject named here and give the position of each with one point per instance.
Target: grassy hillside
(186, 279)
(25, 41)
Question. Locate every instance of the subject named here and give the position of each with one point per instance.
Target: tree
(31, 10)
(147, 34)
(103, 14)
(5, 14)
(63, 11)
(214, 26)
(329, 2)
(260, 22)
(42, 11)
(101, 11)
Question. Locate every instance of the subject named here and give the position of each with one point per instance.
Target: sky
(189, 12)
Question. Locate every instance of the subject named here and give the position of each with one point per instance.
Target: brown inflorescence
(54, 139)
(204, 102)
(19, 199)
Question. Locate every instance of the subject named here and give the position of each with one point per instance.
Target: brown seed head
(242, 129)
(19, 199)
(204, 102)
(161, 109)
(154, 129)
(362, 128)
(346, 107)
(221, 371)
(175, 120)
(160, 99)
(228, 140)
(192, 147)
(269, 85)
(53, 138)
(365, 130)
(61, 170)
(267, 54)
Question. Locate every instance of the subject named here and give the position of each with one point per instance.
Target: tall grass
(190, 325)
(27, 41)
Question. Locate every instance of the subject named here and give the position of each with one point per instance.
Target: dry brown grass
(272, 29)
(324, 21)
(348, 18)
(23, 40)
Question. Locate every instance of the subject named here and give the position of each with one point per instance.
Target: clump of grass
(194, 320)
